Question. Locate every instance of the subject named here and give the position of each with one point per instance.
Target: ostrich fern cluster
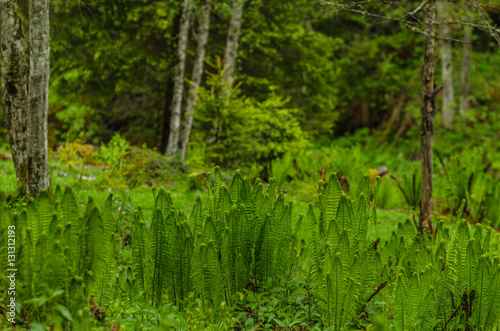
(242, 235)
(242, 238)
(60, 256)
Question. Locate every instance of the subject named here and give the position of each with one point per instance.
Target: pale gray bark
(38, 94)
(446, 66)
(427, 113)
(196, 77)
(465, 70)
(14, 85)
(176, 109)
(233, 36)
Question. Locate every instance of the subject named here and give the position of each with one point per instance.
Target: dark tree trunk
(428, 111)
(14, 85)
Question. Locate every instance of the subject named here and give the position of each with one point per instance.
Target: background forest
(327, 73)
(250, 164)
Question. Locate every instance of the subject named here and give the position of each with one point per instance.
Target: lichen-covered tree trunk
(233, 36)
(427, 112)
(465, 70)
(197, 74)
(169, 85)
(175, 112)
(14, 85)
(446, 66)
(38, 95)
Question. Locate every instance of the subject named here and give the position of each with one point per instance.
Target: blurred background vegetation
(315, 91)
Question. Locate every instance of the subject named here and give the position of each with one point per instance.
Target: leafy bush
(254, 132)
(114, 152)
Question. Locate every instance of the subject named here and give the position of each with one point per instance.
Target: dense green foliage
(315, 90)
(238, 253)
(61, 255)
(254, 132)
(113, 62)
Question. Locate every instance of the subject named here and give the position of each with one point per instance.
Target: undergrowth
(238, 260)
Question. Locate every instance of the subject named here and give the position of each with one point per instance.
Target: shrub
(239, 131)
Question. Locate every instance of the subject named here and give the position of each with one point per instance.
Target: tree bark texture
(427, 113)
(233, 37)
(14, 85)
(465, 70)
(38, 95)
(446, 66)
(196, 77)
(175, 113)
(171, 47)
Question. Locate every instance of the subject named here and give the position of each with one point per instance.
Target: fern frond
(237, 188)
(218, 181)
(163, 202)
(332, 198)
(172, 270)
(107, 280)
(139, 251)
(492, 310)
(95, 252)
(196, 218)
(264, 250)
(344, 213)
(213, 277)
(45, 211)
(401, 306)
(158, 252)
(210, 233)
(241, 273)
(373, 209)
(211, 199)
(69, 214)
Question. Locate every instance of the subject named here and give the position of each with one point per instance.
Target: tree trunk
(233, 36)
(175, 115)
(197, 74)
(38, 170)
(14, 86)
(446, 67)
(170, 82)
(465, 72)
(427, 112)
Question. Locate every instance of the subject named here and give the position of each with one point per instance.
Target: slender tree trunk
(166, 115)
(175, 115)
(427, 112)
(14, 85)
(446, 67)
(197, 74)
(38, 94)
(465, 72)
(170, 82)
(233, 37)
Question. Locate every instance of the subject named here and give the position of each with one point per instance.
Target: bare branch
(412, 13)
(357, 8)
(348, 8)
(493, 31)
